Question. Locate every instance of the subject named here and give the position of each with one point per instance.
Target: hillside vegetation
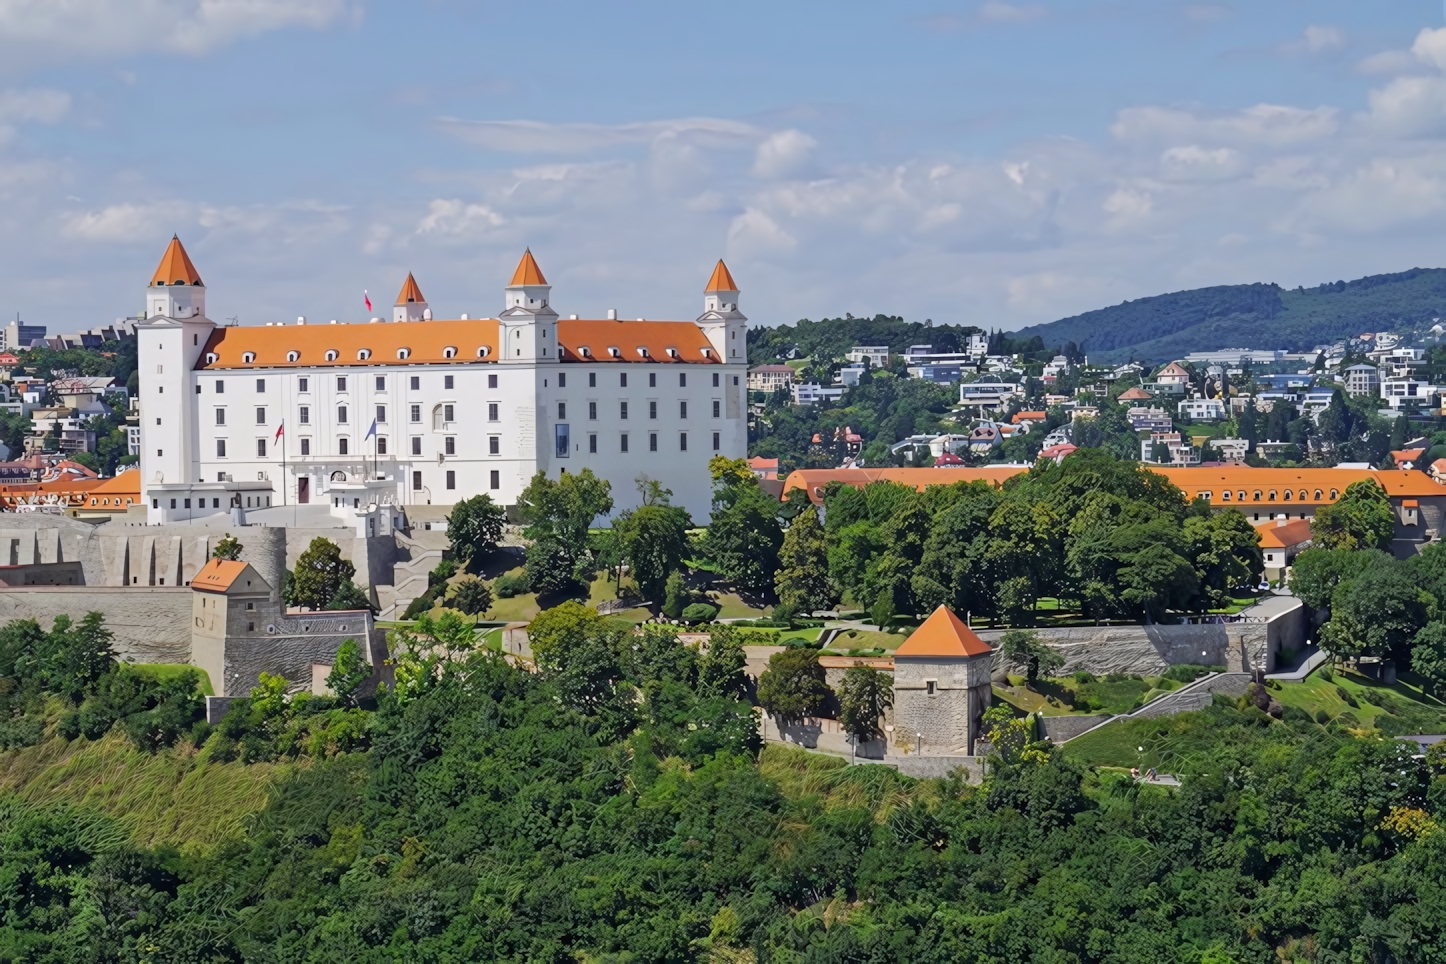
(1252, 316)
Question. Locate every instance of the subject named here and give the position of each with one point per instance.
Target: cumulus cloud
(754, 233)
(1411, 106)
(1195, 163)
(539, 137)
(783, 153)
(1318, 39)
(458, 219)
(37, 104)
(128, 223)
(1267, 124)
(45, 28)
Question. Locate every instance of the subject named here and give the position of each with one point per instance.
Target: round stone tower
(265, 549)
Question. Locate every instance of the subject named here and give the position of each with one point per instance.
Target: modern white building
(419, 411)
(876, 355)
(1362, 380)
(1202, 409)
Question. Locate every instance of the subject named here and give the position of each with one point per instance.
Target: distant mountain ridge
(1252, 316)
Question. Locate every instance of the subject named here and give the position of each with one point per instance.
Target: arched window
(331, 354)
(615, 352)
(1334, 493)
(1302, 495)
(1225, 496)
(1257, 495)
(672, 353)
(211, 357)
(293, 356)
(404, 353)
(1287, 495)
(247, 357)
(707, 353)
(642, 351)
(483, 351)
(363, 354)
(449, 352)
(1272, 496)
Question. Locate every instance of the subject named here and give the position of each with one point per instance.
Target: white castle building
(420, 411)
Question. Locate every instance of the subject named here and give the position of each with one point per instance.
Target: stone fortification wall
(151, 624)
(1197, 696)
(1061, 728)
(933, 767)
(819, 734)
(291, 645)
(1149, 650)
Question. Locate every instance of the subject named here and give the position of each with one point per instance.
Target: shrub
(1084, 676)
(510, 584)
(1294, 714)
(1345, 695)
(699, 613)
(421, 604)
(1322, 717)
(1187, 672)
(1326, 674)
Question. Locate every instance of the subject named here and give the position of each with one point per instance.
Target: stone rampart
(152, 624)
(1060, 728)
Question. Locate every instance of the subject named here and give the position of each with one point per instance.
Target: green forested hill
(1252, 316)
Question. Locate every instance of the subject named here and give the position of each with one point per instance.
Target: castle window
(404, 353)
(642, 351)
(1287, 495)
(247, 357)
(1302, 495)
(1257, 495)
(1272, 496)
(672, 353)
(1334, 493)
(482, 352)
(1317, 495)
(211, 357)
(1225, 496)
(293, 356)
(449, 352)
(707, 353)
(584, 351)
(363, 354)
(331, 354)
(616, 353)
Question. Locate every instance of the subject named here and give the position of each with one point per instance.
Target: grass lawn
(731, 606)
(1065, 697)
(160, 672)
(866, 639)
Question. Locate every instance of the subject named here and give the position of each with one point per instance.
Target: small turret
(176, 290)
(411, 306)
(721, 321)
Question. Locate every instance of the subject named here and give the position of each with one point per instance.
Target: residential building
(1056, 367)
(420, 411)
(876, 355)
(940, 373)
(849, 375)
(1178, 450)
(988, 395)
(1231, 449)
(1027, 420)
(812, 393)
(1315, 401)
(978, 345)
(1058, 453)
(1281, 540)
(1361, 380)
(16, 335)
(1172, 375)
(1135, 394)
(1151, 419)
(764, 468)
(1404, 394)
(1202, 409)
(771, 378)
(984, 437)
(1407, 458)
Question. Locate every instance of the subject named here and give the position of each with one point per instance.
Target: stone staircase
(418, 554)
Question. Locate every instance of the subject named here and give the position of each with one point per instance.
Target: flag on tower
(367, 298)
(280, 431)
(373, 430)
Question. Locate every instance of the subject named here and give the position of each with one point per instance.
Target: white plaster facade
(522, 393)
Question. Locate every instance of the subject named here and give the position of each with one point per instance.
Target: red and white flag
(280, 431)
(367, 298)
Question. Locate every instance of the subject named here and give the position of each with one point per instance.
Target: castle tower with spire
(528, 329)
(176, 290)
(724, 325)
(411, 306)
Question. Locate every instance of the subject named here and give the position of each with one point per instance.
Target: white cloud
(1380, 195)
(1430, 47)
(41, 29)
(37, 104)
(783, 153)
(130, 223)
(458, 219)
(1410, 106)
(1322, 38)
(998, 12)
(1195, 163)
(1267, 124)
(754, 233)
(540, 137)
(1387, 62)
(1128, 207)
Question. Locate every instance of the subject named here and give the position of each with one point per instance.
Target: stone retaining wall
(1196, 697)
(152, 624)
(1060, 728)
(929, 767)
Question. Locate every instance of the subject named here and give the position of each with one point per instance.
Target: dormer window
(331, 354)
(247, 357)
(707, 353)
(404, 353)
(642, 352)
(483, 351)
(449, 352)
(211, 358)
(293, 356)
(363, 354)
(584, 351)
(672, 353)
(616, 353)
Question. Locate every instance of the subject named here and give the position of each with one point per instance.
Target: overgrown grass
(161, 672)
(176, 796)
(1068, 696)
(830, 783)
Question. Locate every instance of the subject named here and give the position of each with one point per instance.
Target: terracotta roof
(948, 458)
(426, 343)
(527, 273)
(1172, 369)
(1439, 465)
(1407, 455)
(1276, 536)
(125, 483)
(1410, 504)
(721, 279)
(813, 481)
(218, 575)
(175, 267)
(685, 339)
(759, 462)
(1031, 416)
(411, 294)
(943, 634)
(1134, 393)
(1398, 483)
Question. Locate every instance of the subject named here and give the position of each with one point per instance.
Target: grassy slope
(173, 797)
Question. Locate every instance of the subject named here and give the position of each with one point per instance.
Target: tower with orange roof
(411, 306)
(725, 326)
(528, 330)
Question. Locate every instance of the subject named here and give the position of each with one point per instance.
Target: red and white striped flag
(367, 298)
(280, 431)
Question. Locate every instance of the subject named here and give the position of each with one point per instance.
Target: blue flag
(373, 430)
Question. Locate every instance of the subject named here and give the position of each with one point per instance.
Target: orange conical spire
(528, 273)
(721, 280)
(175, 267)
(411, 294)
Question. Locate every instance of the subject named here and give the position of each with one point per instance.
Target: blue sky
(994, 163)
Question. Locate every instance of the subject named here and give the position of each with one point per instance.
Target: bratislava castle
(417, 411)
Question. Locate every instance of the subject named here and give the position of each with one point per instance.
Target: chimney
(612, 314)
(1282, 519)
(301, 319)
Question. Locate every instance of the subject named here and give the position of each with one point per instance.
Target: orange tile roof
(425, 341)
(1407, 455)
(759, 462)
(655, 337)
(1031, 416)
(1195, 479)
(410, 293)
(1134, 393)
(217, 575)
(527, 273)
(943, 634)
(813, 481)
(176, 267)
(721, 280)
(1276, 536)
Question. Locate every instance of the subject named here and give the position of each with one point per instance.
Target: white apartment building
(1202, 409)
(422, 411)
(1362, 380)
(876, 355)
